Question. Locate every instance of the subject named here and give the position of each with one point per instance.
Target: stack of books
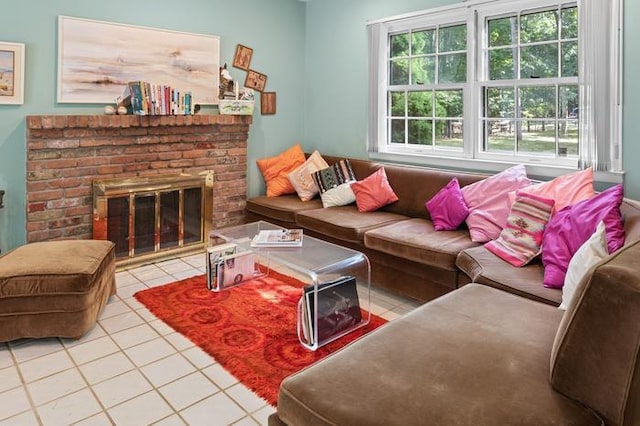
(143, 98)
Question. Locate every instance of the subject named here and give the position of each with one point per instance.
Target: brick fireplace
(66, 153)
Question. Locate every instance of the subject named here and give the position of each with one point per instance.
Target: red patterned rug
(250, 329)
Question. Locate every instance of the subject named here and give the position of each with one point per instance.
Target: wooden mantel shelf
(102, 121)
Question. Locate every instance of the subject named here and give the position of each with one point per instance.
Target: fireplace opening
(152, 217)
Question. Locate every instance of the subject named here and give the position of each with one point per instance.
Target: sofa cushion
(373, 192)
(301, 177)
(565, 190)
(519, 241)
(591, 252)
(596, 353)
(484, 267)
(488, 202)
(275, 170)
(417, 240)
(333, 184)
(447, 208)
(344, 222)
(455, 360)
(282, 208)
(572, 226)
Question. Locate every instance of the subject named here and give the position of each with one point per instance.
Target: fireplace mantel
(66, 153)
(36, 122)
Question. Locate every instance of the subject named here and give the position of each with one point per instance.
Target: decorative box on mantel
(236, 106)
(66, 153)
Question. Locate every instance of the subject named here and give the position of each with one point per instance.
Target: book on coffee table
(338, 308)
(278, 238)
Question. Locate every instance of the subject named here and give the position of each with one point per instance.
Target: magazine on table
(278, 238)
(233, 269)
(213, 254)
(338, 308)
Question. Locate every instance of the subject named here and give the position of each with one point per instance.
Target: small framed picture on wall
(242, 58)
(11, 73)
(268, 103)
(255, 80)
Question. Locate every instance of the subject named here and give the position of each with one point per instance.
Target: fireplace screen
(151, 216)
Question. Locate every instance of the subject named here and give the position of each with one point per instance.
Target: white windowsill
(487, 166)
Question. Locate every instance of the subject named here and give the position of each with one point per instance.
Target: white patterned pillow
(333, 184)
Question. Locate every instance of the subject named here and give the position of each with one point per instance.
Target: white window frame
(604, 155)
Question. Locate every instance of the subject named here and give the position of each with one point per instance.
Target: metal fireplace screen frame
(152, 217)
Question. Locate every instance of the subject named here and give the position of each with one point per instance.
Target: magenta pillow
(447, 208)
(373, 191)
(569, 228)
(488, 202)
(520, 240)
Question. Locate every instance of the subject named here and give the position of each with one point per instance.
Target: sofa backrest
(630, 210)
(413, 185)
(595, 356)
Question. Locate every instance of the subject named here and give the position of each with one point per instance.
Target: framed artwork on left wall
(11, 73)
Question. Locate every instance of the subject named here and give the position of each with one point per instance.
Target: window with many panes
(495, 82)
(530, 96)
(427, 73)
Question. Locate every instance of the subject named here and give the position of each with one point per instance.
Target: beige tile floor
(132, 369)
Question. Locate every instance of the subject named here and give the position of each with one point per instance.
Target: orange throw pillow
(275, 170)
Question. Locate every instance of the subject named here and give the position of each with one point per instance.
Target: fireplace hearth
(152, 217)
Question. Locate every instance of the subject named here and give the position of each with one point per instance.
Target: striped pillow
(521, 238)
(333, 176)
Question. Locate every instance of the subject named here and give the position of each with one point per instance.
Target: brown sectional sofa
(496, 351)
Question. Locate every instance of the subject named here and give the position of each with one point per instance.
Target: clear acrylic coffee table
(336, 298)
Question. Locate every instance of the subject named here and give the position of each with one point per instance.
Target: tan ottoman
(55, 288)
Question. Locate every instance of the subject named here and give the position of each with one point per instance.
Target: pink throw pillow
(488, 202)
(565, 190)
(572, 226)
(373, 191)
(447, 208)
(520, 240)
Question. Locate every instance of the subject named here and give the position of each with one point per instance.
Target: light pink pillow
(301, 177)
(488, 202)
(447, 208)
(565, 190)
(520, 240)
(373, 191)
(572, 226)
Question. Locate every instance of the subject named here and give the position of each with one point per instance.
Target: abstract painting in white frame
(96, 59)
(11, 73)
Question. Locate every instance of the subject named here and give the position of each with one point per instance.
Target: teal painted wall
(275, 29)
(314, 53)
(336, 77)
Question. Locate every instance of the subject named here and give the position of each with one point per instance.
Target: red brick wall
(65, 153)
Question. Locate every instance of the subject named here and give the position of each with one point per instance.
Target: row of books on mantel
(144, 98)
